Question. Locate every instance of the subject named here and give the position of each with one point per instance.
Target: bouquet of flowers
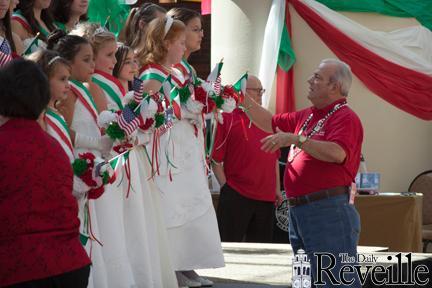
(95, 173)
(209, 96)
(143, 110)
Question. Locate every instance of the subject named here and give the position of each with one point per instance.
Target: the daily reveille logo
(362, 267)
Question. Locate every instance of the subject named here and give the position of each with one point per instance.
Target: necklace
(294, 151)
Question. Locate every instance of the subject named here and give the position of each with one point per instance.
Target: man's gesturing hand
(280, 139)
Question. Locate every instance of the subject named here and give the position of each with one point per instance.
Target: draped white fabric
(410, 47)
(270, 48)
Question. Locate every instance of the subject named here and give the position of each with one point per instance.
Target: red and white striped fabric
(384, 61)
(396, 65)
(217, 85)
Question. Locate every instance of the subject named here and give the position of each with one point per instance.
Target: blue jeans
(330, 225)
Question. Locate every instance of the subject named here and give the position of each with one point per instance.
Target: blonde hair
(95, 34)
(154, 50)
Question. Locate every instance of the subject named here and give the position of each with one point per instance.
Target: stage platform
(258, 265)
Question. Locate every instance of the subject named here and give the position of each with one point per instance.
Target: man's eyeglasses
(258, 90)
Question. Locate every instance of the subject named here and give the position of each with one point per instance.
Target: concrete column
(237, 35)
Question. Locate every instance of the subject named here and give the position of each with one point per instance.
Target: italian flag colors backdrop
(396, 65)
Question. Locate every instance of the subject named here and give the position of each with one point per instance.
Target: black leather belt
(315, 196)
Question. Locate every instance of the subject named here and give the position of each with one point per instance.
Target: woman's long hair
(154, 50)
(26, 7)
(8, 30)
(132, 34)
(61, 9)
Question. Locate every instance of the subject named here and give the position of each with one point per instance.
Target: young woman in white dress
(57, 70)
(144, 227)
(194, 36)
(109, 207)
(182, 184)
(80, 110)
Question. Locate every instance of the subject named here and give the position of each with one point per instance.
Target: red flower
(148, 123)
(87, 156)
(229, 92)
(87, 177)
(210, 107)
(96, 192)
(201, 96)
(122, 147)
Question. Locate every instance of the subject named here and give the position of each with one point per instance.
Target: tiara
(100, 30)
(168, 24)
(54, 60)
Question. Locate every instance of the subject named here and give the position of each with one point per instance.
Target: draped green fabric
(419, 9)
(286, 57)
(109, 13)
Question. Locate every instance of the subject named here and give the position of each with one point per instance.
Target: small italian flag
(240, 85)
(171, 93)
(215, 73)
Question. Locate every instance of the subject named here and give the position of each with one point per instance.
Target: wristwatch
(301, 140)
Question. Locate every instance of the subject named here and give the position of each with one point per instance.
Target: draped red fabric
(285, 98)
(409, 90)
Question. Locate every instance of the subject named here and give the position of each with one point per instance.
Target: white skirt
(146, 236)
(187, 205)
(116, 271)
(197, 245)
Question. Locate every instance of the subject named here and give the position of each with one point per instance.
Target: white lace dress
(117, 270)
(84, 124)
(188, 210)
(189, 215)
(142, 230)
(146, 235)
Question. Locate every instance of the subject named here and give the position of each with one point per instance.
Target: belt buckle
(292, 201)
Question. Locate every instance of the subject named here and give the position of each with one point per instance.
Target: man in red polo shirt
(325, 142)
(248, 176)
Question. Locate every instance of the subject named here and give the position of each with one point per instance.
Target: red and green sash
(84, 96)
(57, 123)
(17, 16)
(159, 73)
(111, 86)
(187, 70)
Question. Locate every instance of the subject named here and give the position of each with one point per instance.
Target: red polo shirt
(307, 174)
(248, 170)
(39, 234)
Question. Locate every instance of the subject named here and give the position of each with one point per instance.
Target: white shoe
(204, 282)
(182, 281)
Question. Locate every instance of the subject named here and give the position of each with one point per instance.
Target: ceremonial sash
(159, 73)
(23, 21)
(187, 70)
(17, 16)
(111, 86)
(84, 96)
(57, 123)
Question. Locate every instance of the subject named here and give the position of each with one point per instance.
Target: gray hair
(342, 75)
